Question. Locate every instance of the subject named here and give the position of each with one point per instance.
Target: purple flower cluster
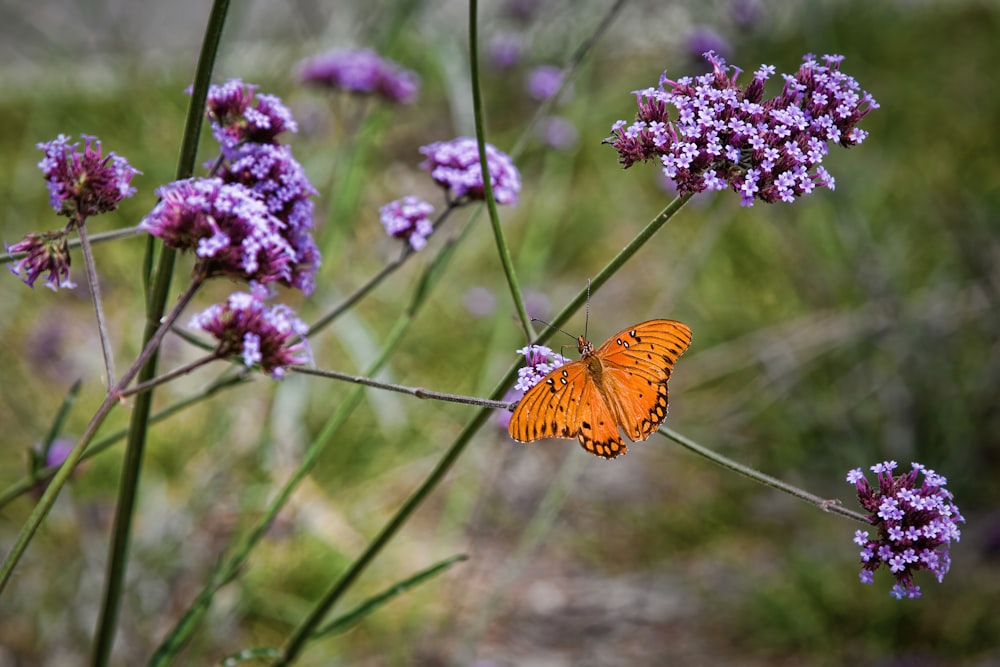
(226, 225)
(84, 183)
(728, 136)
(278, 180)
(47, 252)
(916, 525)
(259, 334)
(361, 71)
(238, 115)
(454, 165)
(540, 362)
(255, 219)
(408, 218)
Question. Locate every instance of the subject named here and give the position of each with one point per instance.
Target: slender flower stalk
(417, 392)
(95, 295)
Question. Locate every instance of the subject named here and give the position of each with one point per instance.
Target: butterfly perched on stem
(623, 383)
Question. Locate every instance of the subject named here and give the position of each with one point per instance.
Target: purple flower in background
(540, 361)
(84, 182)
(557, 132)
(505, 50)
(408, 218)
(454, 165)
(275, 177)
(226, 226)
(703, 39)
(238, 115)
(47, 252)
(361, 71)
(916, 525)
(727, 136)
(543, 82)
(260, 335)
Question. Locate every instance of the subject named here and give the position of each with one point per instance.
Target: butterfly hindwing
(637, 363)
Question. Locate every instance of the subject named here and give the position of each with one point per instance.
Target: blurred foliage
(853, 326)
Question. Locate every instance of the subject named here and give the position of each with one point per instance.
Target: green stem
(824, 504)
(491, 205)
(418, 392)
(141, 387)
(156, 305)
(95, 296)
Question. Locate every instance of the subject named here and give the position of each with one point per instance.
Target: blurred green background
(854, 326)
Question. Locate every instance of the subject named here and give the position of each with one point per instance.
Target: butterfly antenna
(552, 326)
(586, 320)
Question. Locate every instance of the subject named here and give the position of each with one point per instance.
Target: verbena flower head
(226, 226)
(260, 335)
(729, 136)
(47, 252)
(84, 182)
(454, 165)
(408, 218)
(361, 71)
(276, 178)
(916, 525)
(540, 361)
(238, 114)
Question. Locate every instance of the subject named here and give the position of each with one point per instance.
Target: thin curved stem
(95, 296)
(491, 205)
(827, 505)
(418, 392)
(167, 377)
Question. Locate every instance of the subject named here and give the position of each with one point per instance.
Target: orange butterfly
(621, 384)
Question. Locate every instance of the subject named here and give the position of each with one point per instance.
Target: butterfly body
(623, 383)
